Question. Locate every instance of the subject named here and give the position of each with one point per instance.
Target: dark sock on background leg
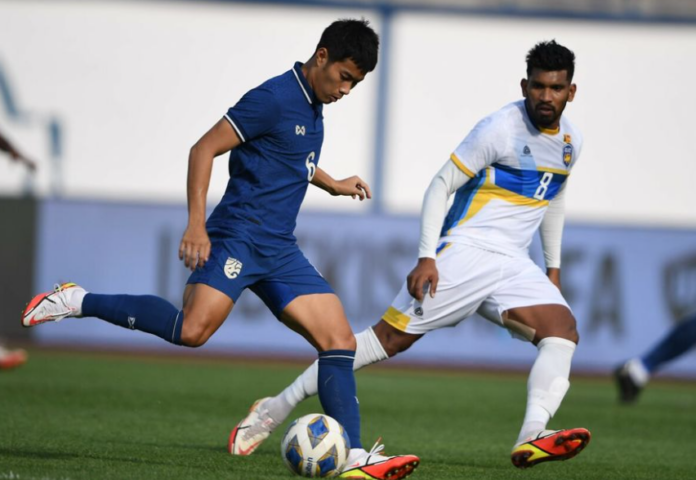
(681, 339)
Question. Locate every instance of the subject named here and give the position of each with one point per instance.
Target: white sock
(367, 352)
(547, 384)
(76, 296)
(355, 454)
(637, 371)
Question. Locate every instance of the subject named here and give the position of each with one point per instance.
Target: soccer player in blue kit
(275, 134)
(508, 180)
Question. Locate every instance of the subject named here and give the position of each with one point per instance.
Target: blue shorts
(277, 279)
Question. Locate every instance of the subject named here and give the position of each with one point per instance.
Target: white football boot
(251, 432)
(64, 301)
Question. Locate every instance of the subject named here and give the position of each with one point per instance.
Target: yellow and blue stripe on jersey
(527, 182)
(531, 188)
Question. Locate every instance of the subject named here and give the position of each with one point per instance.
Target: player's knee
(337, 341)
(565, 328)
(572, 330)
(193, 334)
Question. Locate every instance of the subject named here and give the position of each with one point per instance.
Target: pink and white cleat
(64, 301)
(251, 432)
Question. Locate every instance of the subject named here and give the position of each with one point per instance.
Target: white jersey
(515, 170)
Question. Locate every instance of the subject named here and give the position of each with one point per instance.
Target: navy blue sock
(337, 391)
(146, 313)
(679, 340)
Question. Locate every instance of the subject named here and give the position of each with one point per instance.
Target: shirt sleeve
(255, 114)
(551, 230)
(446, 182)
(480, 148)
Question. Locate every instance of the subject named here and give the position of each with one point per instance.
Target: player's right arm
(425, 274)
(476, 152)
(551, 233)
(194, 249)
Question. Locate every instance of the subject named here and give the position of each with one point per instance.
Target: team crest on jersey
(567, 154)
(232, 268)
(526, 150)
(567, 138)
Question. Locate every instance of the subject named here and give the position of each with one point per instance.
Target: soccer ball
(315, 445)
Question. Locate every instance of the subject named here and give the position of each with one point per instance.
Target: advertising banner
(626, 286)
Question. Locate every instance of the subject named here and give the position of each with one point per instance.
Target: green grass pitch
(94, 416)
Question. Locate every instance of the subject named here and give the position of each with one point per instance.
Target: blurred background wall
(109, 96)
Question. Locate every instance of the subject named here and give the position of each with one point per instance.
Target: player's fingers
(203, 255)
(199, 261)
(433, 285)
(182, 247)
(409, 285)
(192, 257)
(366, 188)
(417, 290)
(187, 255)
(360, 193)
(195, 255)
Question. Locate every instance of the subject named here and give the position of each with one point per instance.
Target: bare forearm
(199, 171)
(324, 181)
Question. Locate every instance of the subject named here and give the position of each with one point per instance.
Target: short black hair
(551, 57)
(354, 39)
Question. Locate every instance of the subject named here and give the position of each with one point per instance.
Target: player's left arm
(551, 233)
(354, 186)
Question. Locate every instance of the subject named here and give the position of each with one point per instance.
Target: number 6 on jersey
(311, 167)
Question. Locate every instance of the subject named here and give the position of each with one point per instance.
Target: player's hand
(195, 247)
(353, 186)
(423, 278)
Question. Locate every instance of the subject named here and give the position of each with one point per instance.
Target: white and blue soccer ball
(315, 445)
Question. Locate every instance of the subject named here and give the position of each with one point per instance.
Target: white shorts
(471, 281)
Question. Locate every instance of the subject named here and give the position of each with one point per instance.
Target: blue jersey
(281, 127)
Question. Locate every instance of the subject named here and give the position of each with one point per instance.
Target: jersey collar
(304, 85)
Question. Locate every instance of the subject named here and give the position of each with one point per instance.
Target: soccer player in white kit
(508, 177)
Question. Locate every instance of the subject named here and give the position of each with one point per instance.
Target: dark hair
(551, 57)
(354, 39)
